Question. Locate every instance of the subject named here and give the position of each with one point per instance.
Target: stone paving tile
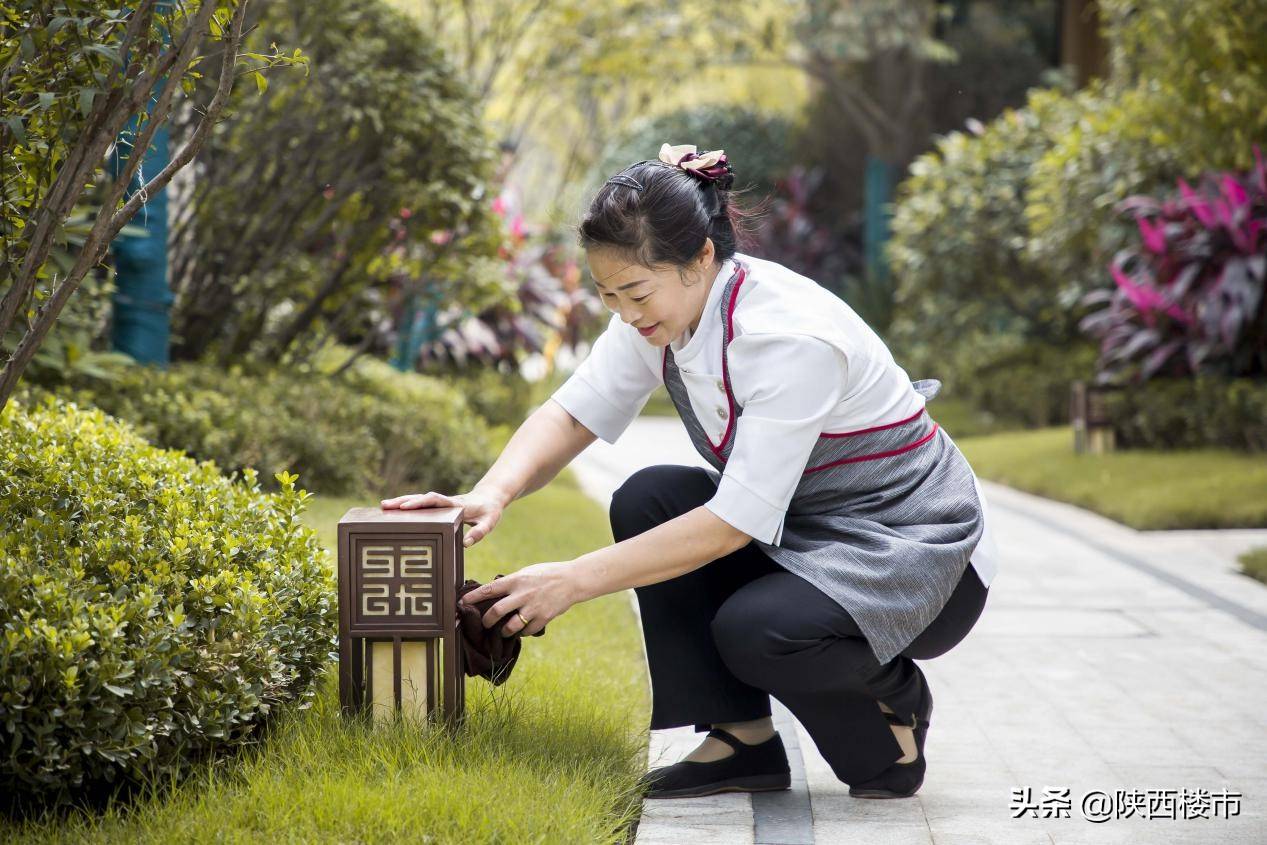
(838, 832)
(729, 813)
(1006, 836)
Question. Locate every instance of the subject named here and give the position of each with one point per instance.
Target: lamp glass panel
(413, 681)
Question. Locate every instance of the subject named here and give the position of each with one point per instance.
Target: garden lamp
(398, 647)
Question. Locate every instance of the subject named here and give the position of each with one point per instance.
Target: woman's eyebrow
(622, 287)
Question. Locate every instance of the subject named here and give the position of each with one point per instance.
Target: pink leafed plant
(1188, 299)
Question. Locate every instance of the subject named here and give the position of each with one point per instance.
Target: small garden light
(398, 647)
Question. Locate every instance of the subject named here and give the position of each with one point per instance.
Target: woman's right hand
(481, 510)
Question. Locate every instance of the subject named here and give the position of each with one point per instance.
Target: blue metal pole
(402, 360)
(143, 297)
(878, 191)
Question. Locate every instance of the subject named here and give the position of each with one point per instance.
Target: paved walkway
(1106, 659)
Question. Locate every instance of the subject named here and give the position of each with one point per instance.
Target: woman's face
(656, 302)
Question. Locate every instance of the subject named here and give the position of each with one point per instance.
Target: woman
(837, 535)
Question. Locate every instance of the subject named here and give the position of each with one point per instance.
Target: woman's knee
(776, 634)
(656, 494)
(744, 631)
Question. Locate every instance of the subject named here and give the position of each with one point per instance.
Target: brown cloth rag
(488, 654)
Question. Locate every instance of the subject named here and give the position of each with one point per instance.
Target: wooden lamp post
(398, 647)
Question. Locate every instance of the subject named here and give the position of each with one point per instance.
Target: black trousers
(725, 637)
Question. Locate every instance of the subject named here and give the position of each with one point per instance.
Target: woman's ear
(707, 253)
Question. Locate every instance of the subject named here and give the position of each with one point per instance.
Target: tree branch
(108, 224)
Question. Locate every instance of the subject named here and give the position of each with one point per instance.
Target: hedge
(1191, 414)
(152, 611)
(371, 432)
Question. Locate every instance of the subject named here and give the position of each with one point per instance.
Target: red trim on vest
(913, 416)
(898, 451)
(725, 369)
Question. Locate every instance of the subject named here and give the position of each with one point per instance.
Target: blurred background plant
(1189, 296)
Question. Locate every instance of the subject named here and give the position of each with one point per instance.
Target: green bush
(998, 237)
(959, 233)
(1004, 381)
(390, 141)
(973, 309)
(153, 611)
(369, 432)
(1191, 414)
(501, 398)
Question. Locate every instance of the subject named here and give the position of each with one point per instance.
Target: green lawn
(1254, 563)
(552, 755)
(659, 405)
(1205, 488)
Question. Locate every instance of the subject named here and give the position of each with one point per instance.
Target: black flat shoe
(752, 768)
(901, 780)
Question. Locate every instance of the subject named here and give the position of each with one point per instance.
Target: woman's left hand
(540, 592)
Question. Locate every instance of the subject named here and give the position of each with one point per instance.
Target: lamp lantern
(398, 647)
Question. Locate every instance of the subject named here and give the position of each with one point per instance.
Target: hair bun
(711, 167)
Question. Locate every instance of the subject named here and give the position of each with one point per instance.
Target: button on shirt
(801, 363)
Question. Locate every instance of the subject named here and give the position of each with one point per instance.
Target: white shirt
(801, 363)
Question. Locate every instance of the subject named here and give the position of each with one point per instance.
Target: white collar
(711, 304)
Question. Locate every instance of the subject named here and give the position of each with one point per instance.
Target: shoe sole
(753, 783)
(880, 793)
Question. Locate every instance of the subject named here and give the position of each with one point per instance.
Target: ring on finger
(521, 619)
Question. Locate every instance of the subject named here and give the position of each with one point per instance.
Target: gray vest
(883, 520)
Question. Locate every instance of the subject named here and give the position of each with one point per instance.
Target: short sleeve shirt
(795, 374)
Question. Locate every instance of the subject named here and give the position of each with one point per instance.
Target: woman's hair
(667, 220)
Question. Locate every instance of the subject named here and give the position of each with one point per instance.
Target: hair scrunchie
(711, 167)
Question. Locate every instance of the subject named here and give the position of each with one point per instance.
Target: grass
(1199, 488)
(660, 405)
(552, 755)
(1254, 563)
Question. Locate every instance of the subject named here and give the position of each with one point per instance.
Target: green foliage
(1186, 97)
(756, 144)
(1190, 414)
(1007, 381)
(60, 60)
(501, 398)
(331, 186)
(959, 233)
(1254, 563)
(371, 432)
(74, 73)
(556, 752)
(153, 611)
(74, 343)
(997, 238)
(973, 308)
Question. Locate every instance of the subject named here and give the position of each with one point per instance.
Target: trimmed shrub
(1191, 414)
(1001, 378)
(959, 232)
(153, 612)
(370, 432)
(972, 308)
(501, 398)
